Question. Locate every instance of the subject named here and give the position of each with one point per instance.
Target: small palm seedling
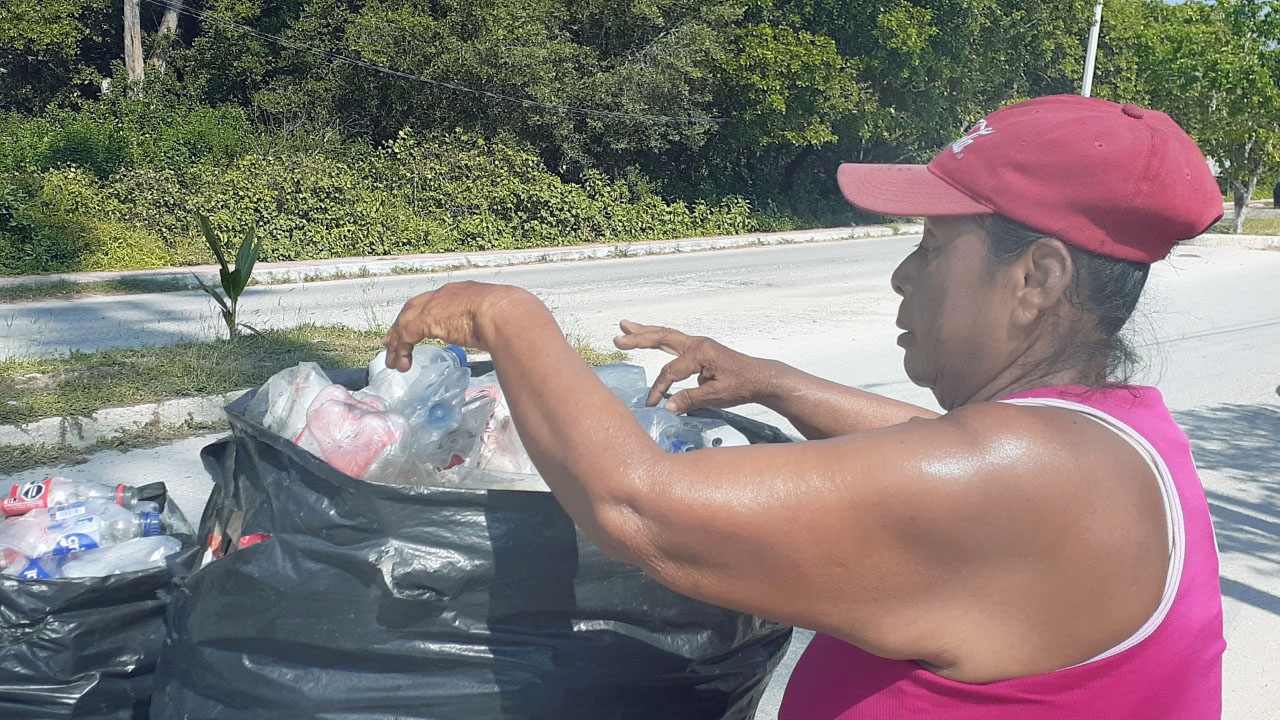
(234, 279)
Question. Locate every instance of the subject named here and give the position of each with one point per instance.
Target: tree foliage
(1213, 66)
(787, 90)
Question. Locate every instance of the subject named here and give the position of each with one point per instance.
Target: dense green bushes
(116, 186)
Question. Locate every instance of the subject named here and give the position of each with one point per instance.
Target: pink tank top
(1171, 669)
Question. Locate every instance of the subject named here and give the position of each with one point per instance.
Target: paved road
(1210, 327)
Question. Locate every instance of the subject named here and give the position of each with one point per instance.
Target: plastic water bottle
(83, 525)
(141, 553)
(15, 564)
(626, 381)
(673, 433)
(55, 491)
(404, 389)
(20, 566)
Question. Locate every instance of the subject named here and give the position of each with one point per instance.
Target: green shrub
(112, 245)
(99, 148)
(34, 235)
(62, 221)
(116, 185)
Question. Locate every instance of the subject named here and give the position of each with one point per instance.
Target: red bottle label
(25, 497)
(247, 540)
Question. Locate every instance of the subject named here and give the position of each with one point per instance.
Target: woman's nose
(899, 278)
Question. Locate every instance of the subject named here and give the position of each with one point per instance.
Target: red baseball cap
(1114, 179)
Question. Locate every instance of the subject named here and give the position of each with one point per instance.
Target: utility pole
(1091, 56)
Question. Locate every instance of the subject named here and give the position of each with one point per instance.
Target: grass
(596, 357)
(68, 289)
(1252, 226)
(20, 458)
(83, 383)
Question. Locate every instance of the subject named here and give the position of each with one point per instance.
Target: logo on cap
(967, 139)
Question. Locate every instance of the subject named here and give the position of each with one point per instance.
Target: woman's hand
(725, 377)
(457, 313)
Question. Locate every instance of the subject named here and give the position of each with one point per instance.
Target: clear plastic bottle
(402, 390)
(141, 553)
(45, 568)
(626, 381)
(77, 526)
(672, 432)
(15, 564)
(55, 491)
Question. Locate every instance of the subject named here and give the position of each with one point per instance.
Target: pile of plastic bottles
(405, 428)
(62, 528)
(399, 429)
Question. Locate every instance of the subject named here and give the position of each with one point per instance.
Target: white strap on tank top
(1176, 529)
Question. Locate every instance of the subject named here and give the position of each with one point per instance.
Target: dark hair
(1105, 288)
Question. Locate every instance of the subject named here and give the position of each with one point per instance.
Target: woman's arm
(972, 542)
(726, 378)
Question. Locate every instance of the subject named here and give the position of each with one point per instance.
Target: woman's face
(956, 311)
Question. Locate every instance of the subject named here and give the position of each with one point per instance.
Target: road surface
(1209, 327)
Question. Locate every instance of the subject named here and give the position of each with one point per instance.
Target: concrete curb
(1243, 242)
(401, 264)
(81, 432)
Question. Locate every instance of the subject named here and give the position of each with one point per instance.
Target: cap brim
(905, 190)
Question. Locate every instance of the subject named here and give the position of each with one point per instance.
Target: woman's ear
(1042, 276)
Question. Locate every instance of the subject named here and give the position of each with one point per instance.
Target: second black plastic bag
(358, 600)
(86, 648)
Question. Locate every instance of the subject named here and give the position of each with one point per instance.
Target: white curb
(80, 432)
(378, 265)
(1243, 242)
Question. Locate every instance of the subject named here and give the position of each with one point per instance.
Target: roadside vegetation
(1252, 226)
(81, 383)
(404, 126)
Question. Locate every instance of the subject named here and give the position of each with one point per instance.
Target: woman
(1040, 550)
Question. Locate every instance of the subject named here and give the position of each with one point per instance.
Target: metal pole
(1092, 54)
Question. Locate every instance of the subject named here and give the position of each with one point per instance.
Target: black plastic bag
(86, 647)
(375, 601)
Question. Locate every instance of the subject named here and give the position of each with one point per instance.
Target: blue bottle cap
(458, 353)
(151, 524)
(441, 414)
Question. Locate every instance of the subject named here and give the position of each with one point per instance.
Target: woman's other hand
(726, 378)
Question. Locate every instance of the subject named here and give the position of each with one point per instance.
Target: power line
(321, 52)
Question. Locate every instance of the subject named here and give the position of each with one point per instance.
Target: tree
(133, 41)
(166, 36)
(1216, 69)
(50, 47)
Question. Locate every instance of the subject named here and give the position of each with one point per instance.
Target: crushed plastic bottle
(281, 404)
(501, 449)
(55, 491)
(626, 381)
(133, 555)
(350, 433)
(82, 525)
(15, 564)
(678, 433)
(431, 365)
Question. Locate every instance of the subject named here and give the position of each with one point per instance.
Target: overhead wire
(526, 102)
